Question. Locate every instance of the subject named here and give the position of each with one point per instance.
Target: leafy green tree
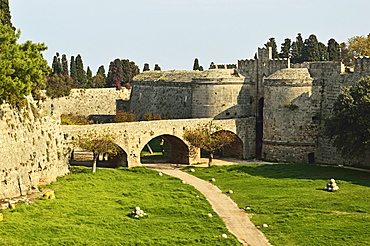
(98, 81)
(208, 137)
(146, 67)
(64, 65)
(272, 43)
(5, 15)
(157, 67)
(285, 48)
(97, 142)
(22, 67)
(333, 50)
(359, 45)
(349, 126)
(101, 71)
(80, 72)
(323, 52)
(58, 85)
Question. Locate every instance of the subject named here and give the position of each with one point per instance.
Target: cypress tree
(56, 65)
(333, 50)
(271, 43)
(157, 67)
(310, 50)
(146, 67)
(196, 64)
(73, 73)
(5, 15)
(300, 46)
(285, 48)
(295, 53)
(88, 77)
(80, 71)
(115, 74)
(323, 52)
(64, 65)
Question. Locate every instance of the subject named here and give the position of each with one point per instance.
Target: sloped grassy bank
(290, 199)
(93, 209)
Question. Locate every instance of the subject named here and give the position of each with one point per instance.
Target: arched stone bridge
(133, 136)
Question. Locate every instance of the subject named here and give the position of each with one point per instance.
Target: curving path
(236, 220)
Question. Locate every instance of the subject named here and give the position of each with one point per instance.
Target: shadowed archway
(174, 150)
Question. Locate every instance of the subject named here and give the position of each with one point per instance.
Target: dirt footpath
(236, 220)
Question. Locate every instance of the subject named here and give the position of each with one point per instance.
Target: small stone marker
(183, 181)
(224, 235)
(212, 180)
(210, 215)
(265, 225)
(230, 191)
(192, 170)
(160, 174)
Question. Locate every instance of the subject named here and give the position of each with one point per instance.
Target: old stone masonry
(275, 108)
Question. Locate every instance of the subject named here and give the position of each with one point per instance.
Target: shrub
(122, 116)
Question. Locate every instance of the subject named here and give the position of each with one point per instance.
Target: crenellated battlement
(223, 66)
(362, 65)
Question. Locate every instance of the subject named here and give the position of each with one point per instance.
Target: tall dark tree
(272, 43)
(345, 55)
(295, 53)
(115, 74)
(88, 77)
(56, 65)
(323, 52)
(300, 45)
(196, 64)
(73, 72)
(80, 71)
(333, 50)
(5, 16)
(101, 71)
(146, 67)
(285, 48)
(310, 50)
(157, 67)
(64, 65)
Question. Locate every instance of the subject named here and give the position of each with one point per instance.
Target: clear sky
(173, 33)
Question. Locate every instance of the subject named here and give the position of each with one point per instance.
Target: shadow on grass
(305, 171)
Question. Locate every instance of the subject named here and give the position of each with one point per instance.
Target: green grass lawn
(93, 209)
(291, 200)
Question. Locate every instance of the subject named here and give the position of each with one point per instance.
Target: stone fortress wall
(32, 150)
(285, 106)
(289, 102)
(89, 102)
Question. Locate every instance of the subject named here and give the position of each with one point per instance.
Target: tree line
(311, 49)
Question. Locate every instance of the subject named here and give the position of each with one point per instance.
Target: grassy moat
(93, 209)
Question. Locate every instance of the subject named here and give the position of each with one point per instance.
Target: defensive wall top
(290, 77)
(185, 76)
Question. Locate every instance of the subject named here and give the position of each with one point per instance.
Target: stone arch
(178, 150)
(235, 149)
(119, 160)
